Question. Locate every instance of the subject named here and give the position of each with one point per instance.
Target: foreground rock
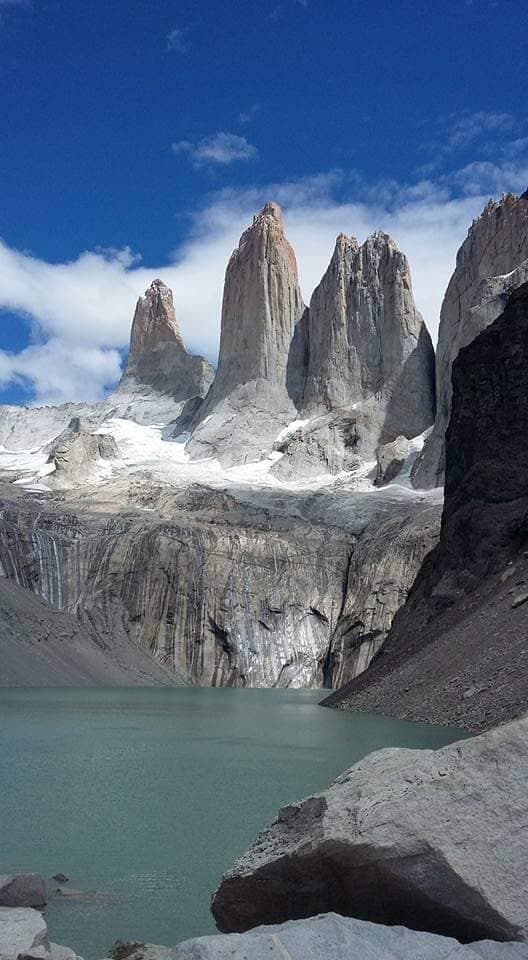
(24, 936)
(457, 650)
(330, 937)
(491, 263)
(22, 890)
(433, 840)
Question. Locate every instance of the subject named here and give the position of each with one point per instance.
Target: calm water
(145, 796)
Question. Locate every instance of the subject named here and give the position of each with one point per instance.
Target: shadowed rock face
(403, 837)
(491, 263)
(157, 356)
(466, 617)
(248, 402)
(367, 357)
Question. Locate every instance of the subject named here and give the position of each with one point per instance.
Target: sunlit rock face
(491, 263)
(157, 357)
(248, 402)
(367, 361)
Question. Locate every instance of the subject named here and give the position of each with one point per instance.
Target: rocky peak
(365, 334)
(495, 247)
(262, 302)
(157, 357)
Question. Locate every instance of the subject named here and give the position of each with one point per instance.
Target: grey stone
(433, 840)
(491, 263)
(22, 890)
(333, 937)
(23, 932)
(391, 458)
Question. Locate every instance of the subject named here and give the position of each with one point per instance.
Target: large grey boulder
(248, 402)
(332, 937)
(157, 357)
(490, 264)
(24, 936)
(368, 360)
(22, 890)
(23, 933)
(433, 840)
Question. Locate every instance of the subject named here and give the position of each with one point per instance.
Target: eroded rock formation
(403, 837)
(491, 263)
(368, 358)
(157, 357)
(248, 402)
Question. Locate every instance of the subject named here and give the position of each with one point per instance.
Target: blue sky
(140, 135)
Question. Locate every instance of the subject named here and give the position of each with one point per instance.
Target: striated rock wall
(490, 264)
(246, 590)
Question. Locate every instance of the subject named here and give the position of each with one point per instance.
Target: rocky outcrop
(24, 936)
(457, 649)
(22, 890)
(76, 453)
(248, 402)
(403, 837)
(157, 357)
(491, 263)
(368, 358)
(391, 458)
(332, 937)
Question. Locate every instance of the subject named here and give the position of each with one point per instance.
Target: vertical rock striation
(490, 264)
(369, 374)
(248, 402)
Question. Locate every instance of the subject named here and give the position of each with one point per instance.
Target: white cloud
(219, 148)
(82, 310)
(176, 42)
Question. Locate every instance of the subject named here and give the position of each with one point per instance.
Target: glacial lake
(145, 796)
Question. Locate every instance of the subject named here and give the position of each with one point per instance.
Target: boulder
(23, 933)
(390, 459)
(433, 840)
(22, 890)
(332, 937)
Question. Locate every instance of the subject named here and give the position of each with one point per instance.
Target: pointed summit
(157, 357)
(261, 305)
(365, 335)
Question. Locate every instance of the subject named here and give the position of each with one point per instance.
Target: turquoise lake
(145, 796)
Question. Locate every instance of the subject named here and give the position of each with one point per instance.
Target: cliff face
(223, 588)
(248, 402)
(466, 617)
(157, 357)
(491, 263)
(368, 359)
